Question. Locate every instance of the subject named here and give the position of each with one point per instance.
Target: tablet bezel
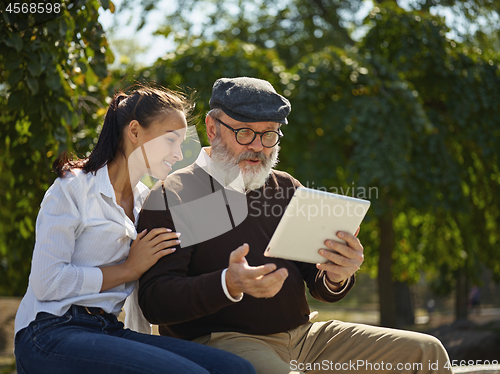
(289, 241)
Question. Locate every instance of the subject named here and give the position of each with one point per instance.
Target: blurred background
(397, 102)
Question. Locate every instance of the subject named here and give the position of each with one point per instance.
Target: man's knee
(433, 346)
(427, 347)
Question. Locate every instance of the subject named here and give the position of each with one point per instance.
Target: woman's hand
(145, 251)
(148, 248)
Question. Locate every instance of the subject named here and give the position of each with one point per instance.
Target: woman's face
(160, 144)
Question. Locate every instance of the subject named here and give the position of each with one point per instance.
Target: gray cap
(249, 100)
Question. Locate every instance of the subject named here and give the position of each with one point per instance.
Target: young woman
(83, 265)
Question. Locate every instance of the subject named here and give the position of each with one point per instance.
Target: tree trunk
(386, 291)
(404, 305)
(461, 297)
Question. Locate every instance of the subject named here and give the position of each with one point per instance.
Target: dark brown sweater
(183, 292)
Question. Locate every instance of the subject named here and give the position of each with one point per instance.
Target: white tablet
(312, 217)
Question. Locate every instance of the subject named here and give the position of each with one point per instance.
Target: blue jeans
(79, 342)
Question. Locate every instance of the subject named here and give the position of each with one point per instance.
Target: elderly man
(219, 288)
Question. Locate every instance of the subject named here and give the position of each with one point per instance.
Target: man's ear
(133, 129)
(211, 128)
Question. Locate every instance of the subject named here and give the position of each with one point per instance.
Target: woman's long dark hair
(145, 105)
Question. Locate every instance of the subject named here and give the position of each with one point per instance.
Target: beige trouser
(334, 346)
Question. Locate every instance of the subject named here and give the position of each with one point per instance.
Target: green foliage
(460, 91)
(362, 126)
(291, 27)
(195, 68)
(52, 79)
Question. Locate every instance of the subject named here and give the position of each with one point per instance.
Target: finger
(155, 232)
(339, 248)
(335, 257)
(271, 279)
(164, 237)
(163, 253)
(141, 234)
(258, 271)
(352, 254)
(357, 231)
(165, 244)
(239, 254)
(271, 284)
(351, 240)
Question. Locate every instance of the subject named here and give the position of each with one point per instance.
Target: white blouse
(80, 227)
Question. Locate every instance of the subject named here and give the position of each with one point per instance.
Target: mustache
(249, 155)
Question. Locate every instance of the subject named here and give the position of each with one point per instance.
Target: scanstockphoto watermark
(320, 203)
(308, 210)
(356, 365)
(365, 365)
(359, 192)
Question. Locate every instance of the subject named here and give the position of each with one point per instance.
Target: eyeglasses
(245, 136)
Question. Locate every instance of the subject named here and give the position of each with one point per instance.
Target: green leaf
(12, 64)
(90, 77)
(39, 139)
(105, 4)
(44, 58)
(15, 42)
(90, 52)
(63, 28)
(53, 80)
(74, 121)
(15, 77)
(15, 100)
(32, 84)
(25, 233)
(34, 68)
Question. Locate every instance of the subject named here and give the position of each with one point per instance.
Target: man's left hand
(343, 259)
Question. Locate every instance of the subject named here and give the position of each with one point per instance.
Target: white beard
(254, 177)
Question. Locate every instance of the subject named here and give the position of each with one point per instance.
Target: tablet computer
(312, 217)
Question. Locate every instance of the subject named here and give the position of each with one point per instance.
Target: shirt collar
(103, 182)
(106, 188)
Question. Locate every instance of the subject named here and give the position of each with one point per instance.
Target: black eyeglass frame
(255, 133)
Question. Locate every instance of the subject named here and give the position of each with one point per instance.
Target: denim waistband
(87, 310)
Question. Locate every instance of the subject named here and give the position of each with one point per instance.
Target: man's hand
(257, 281)
(346, 259)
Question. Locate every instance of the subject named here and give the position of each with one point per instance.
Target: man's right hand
(257, 281)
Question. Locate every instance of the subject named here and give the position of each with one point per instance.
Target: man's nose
(256, 145)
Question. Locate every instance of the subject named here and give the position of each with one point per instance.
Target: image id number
(33, 8)
(472, 364)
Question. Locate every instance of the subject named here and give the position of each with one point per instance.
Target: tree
(52, 78)
(459, 88)
(194, 69)
(291, 28)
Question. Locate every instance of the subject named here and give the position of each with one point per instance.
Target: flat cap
(249, 100)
